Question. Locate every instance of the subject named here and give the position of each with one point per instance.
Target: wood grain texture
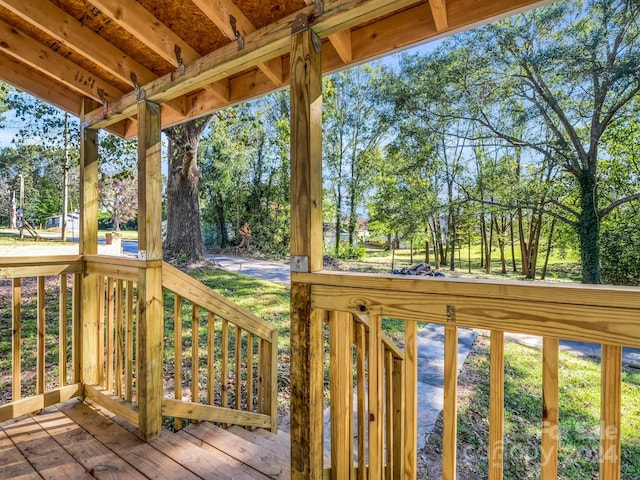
(40, 337)
(550, 417)
(496, 406)
(306, 150)
(376, 399)
(177, 353)
(449, 411)
(212, 413)
(543, 317)
(610, 412)
(16, 343)
(411, 400)
(306, 386)
(341, 387)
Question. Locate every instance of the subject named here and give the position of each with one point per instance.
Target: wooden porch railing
(241, 357)
(39, 377)
(241, 349)
(599, 314)
(359, 349)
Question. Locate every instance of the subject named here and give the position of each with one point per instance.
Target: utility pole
(21, 209)
(65, 180)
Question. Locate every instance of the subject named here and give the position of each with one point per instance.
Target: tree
(354, 122)
(571, 70)
(184, 232)
(118, 195)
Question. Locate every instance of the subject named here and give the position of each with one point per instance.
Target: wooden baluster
(119, 326)
(496, 406)
(398, 417)
(76, 327)
(238, 364)
(549, 409)
(101, 334)
(195, 353)
(62, 331)
(449, 411)
(268, 379)
(16, 344)
(224, 370)
(128, 347)
(249, 372)
(361, 352)
(110, 330)
(177, 349)
(411, 399)
(341, 385)
(40, 346)
(610, 412)
(389, 408)
(211, 338)
(376, 410)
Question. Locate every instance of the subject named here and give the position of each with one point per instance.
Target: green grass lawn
(579, 413)
(377, 259)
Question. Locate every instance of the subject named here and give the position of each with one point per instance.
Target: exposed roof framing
(195, 56)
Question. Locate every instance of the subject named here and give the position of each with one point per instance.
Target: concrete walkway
(430, 346)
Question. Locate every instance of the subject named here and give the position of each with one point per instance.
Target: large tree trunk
(184, 233)
(589, 229)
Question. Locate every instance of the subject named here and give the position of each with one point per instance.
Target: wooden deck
(75, 440)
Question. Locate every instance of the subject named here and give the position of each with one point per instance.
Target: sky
(11, 125)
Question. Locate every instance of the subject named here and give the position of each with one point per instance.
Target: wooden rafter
(374, 39)
(341, 41)
(63, 27)
(46, 61)
(141, 23)
(439, 11)
(221, 13)
(66, 29)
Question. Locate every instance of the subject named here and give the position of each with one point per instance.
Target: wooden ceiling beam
(341, 41)
(273, 41)
(439, 11)
(66, 29)
(50, 63)
(221, 13)
(139, 22)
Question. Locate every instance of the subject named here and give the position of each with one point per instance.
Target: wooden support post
(89, 245)
(150, 302)
(306, 245)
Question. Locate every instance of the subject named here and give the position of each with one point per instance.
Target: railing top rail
(19, 267)
(195, 291)
(561, 293)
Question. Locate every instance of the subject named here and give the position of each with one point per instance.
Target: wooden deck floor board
(74, 440)
(250, 454)
(140, 455)
(95, 457)
(239, 469)
(14, 465)
(46, 456)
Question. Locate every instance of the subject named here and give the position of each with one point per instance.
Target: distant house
(73, 221)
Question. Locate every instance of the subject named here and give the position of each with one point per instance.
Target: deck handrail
(606, 315)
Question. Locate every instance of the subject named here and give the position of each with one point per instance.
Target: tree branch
(605, 211)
